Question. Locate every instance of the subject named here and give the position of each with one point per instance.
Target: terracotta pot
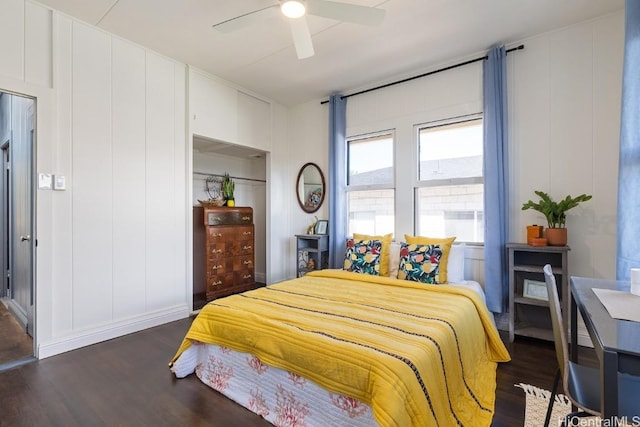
(533, 232)
(556, 236)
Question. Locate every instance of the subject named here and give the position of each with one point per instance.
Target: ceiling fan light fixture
(293, 8)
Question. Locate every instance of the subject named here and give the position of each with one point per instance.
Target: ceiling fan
(296, 11)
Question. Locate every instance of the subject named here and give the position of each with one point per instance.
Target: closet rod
(234, 177)
(471, 61)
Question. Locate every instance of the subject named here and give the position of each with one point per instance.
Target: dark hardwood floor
(126, 382)
(15, 343)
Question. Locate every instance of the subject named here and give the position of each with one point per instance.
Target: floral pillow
(420, 263)
(363, 256)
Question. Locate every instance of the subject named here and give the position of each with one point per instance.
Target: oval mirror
(310, 187)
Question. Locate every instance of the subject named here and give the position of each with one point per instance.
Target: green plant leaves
(555, 212)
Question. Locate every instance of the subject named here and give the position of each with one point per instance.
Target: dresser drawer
(228, 216)
(220, 282)
(229, 265)
(228, 233)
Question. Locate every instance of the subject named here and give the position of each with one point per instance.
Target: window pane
(452, 210)
(371, 211)
(370, 161)
(451, 151)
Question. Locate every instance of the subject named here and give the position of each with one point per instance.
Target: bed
(341, 348)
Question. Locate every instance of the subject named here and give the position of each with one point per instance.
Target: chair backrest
(559, 334)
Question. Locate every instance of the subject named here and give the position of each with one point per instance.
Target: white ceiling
(416, 35)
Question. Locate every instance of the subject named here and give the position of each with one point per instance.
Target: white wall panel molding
(128, 77)
(92, 254)
(226, 112)
(37, 45)
(160, 224)
(89, 336)
(61, 284)
(12, 36)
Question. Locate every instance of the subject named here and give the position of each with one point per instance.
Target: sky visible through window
(370, 154)
(452, 141)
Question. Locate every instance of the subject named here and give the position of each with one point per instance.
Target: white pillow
(455, 267)
(394, 259)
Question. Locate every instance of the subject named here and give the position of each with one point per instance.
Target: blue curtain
(628, 244)
(337, 180)
(496, 191)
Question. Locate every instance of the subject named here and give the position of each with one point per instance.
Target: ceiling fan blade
(301, 37)
(247, 19)
(346, 12)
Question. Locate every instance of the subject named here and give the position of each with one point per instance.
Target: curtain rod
(234, 177)
(471, 61)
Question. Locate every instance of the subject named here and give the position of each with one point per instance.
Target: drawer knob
(216, 235)
(247, 233)
(215, 267)
(219, 282)
(247, 262)
(246, 218)
(246, 247)
(216, 251)
(246, 276)
(217, 218)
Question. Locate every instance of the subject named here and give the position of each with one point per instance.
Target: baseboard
(110, 331)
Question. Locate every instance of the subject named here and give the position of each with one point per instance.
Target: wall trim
(112, 330)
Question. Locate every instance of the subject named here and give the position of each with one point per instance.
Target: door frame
(24, 310)
(5, 218)
(43, 106)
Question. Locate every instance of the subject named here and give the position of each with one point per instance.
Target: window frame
(418, 184)
(351, 188)
(363, 137)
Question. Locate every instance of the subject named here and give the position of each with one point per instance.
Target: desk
(617, 342)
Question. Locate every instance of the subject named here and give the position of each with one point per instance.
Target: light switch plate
(44, 181)
(59, 182)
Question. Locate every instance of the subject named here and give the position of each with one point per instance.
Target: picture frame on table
(322, 226)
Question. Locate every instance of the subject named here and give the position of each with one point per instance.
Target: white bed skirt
(279, 396)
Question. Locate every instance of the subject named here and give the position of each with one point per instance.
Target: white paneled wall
(129, 181)
(220, 110)
(400, 108)
(92, 160)
(564, 112)
(112, 247)
(564, 97)
(12, 22)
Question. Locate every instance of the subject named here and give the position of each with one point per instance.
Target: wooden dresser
(223, 245)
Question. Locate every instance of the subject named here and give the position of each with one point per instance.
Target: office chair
(582, 383)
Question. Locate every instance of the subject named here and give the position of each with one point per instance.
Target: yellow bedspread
(421, 355)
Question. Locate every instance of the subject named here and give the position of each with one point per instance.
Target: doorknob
(26, 238)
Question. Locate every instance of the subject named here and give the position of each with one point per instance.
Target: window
(370, 184)
(450, 193)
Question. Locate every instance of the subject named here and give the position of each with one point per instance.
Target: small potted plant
(228, 186)
(555, 213)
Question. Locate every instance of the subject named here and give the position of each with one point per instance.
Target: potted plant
(228, 186)
(555, 213)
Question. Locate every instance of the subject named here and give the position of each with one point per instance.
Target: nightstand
(312, 253)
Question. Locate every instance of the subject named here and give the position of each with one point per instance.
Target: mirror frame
(324, 187)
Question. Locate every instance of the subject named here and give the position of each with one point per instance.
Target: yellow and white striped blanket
(421, 355)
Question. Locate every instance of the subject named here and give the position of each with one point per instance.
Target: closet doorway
(248, 168)
(17, 251)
